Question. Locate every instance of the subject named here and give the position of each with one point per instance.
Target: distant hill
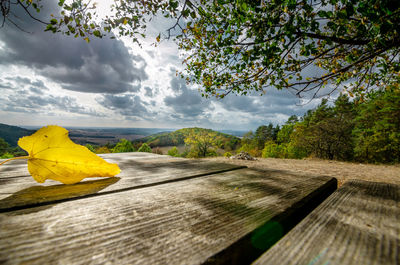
(11, 134)
(177, 138)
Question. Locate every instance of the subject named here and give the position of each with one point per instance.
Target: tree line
(347, 131)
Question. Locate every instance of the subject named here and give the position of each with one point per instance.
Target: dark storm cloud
(271, 104)
(187, 103)
(102, 66)
(127, 105)
(44, 104)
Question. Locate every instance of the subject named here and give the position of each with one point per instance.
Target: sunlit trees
(123, 146)
(202, 143)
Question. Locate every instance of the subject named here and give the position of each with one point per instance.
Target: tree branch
(27, 11)
(333, 38)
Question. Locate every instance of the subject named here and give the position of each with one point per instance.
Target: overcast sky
(54, 79)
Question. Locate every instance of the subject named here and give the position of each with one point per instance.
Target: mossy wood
(357, 224)
(195, 215)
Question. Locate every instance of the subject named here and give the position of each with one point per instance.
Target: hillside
(177, 138)
(11, 134)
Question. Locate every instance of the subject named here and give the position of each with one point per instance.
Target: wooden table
(159, 210)
(358, 224)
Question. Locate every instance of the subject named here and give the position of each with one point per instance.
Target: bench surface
(358, 224)
(159, 210)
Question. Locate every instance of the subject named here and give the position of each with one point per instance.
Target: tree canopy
(244, 45)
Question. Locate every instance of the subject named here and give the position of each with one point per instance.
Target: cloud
(5, 85)
(32, 100)
(274, 102)
(149, 92)
(45, 104)
(187, 103)
(102, 66)
(36, 86)
(128, 105)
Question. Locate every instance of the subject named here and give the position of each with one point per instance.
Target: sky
(49, 78)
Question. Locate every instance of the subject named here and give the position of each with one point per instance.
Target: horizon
(94, 127)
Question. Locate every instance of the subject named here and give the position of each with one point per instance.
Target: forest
(367, 131)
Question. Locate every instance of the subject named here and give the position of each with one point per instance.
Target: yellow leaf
(87, 39)
(52, 155)
(125, 21)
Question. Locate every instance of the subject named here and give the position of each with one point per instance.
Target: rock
(243, 155)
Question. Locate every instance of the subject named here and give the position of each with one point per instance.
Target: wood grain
(19, 190)
(357, 224)
(186, 222)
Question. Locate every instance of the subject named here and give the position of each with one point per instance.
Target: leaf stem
(14, 158)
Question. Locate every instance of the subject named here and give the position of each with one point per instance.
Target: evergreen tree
(377, 132)
(145, 148)
(326, 132)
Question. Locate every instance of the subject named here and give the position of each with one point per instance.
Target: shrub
(192, 153)
(227, 154)
(123, 146)
(211, 152)
(173, 152)
(102, 150)
(144, 148)
(6, 156)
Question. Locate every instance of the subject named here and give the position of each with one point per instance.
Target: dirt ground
(342, 171)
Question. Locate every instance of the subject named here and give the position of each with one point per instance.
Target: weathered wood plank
(358, 224)
(193, 221)
(18, 189)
